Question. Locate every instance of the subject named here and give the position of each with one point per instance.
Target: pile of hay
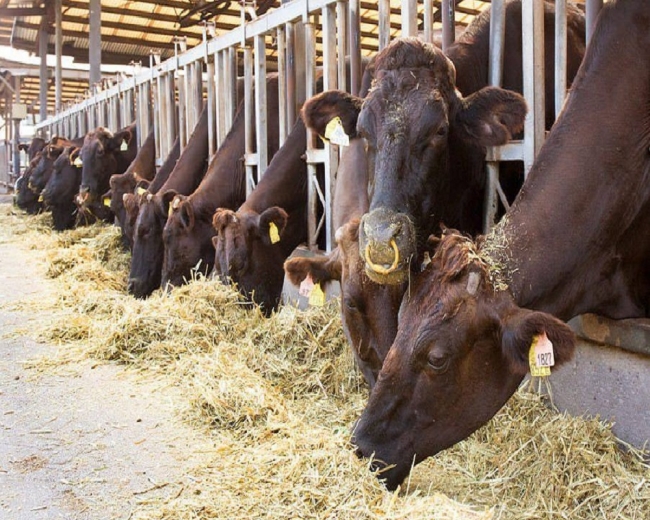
(279, 396)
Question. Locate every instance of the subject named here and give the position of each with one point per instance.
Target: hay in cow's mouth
(279, 396)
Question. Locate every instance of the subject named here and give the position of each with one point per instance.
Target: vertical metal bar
(231, 87)
(290, 73)
(560, 54)
(533, 56)
(384, 23)
(42, 74)
(280, 38)
(170, 92)
(95, 41)
(16, 123)
(341, 34)
(221, 98)
(428, 21)
(354, 46)
(448, 13)
(181, 109)
(409, 18)
(198, 91)
(249, 124)
(58, 81)
(310, 88)
(592, 8)
(211, 101)
(261, 103)
(495, 75)
(330, 68)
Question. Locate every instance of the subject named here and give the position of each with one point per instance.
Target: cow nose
(134, 287)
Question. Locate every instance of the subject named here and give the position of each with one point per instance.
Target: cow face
(187, 240)
(120, 184)
(131, 203)
(60, 190)
(460, 352)
(368, 310)
(417, 128)
(148, 251)
(44, 166)
(248, 253)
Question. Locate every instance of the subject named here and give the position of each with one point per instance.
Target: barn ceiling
(133, 29)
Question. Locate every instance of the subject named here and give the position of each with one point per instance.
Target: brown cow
(473, 317)
(427, 142)
(368, 310)
(103, 154)
(131, 201)
(61, 188)
(188, 232)
(147, 253)
(143, 167)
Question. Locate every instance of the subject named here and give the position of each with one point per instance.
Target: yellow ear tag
(274, 235)
(124, 146)
(335, 133)
(171, 210)
(40, 198)
(141, 191)
(317, 296)
(540, 356)
(107, 202)
(77, 162)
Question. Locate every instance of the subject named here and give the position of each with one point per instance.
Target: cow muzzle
(386, 244)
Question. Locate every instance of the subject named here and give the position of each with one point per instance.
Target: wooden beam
(15, 12)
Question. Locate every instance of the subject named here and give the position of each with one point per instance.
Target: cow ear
(186, 214)
(115, 142)
(520, 328)
(271, 224)
(165, 201)
(74, 154)
(318, 111)
(492, 115)
(322, 269)
(54, 151)
(141, 186)
(221, 218)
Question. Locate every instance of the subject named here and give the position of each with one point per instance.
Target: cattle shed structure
(189, 54)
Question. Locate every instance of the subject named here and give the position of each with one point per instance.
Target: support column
(58, 74)
(16, 123)
(95, 42)
(42, 53)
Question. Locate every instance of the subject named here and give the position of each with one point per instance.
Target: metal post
(341, 34)
(261, 103)
(16, 123)
(428, 21)
(354, 41)
(95, 41)
(409, 18)
(58, 82)
(384, 23)
(592, 8)
(249, 125)
(43, 83)
(290, 73)
(448, 8)
(533, 56)
(310, 88)
(211, 101)
(282, 84)
(560, 54)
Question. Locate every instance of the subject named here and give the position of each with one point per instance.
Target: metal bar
(448, 23)
(560, 54)
(409, 18)
(95, 41)
(341, 34)
(533, 57)
(592, 8)
(354, 44)
(384, 23)
(310, 90)
(42, 72)
(58, 31)
(261, 103)
(16, 123)
(428, 21)
(249, 124)
(280, 38)
(231, 91)
(212, 105)
(172, 129)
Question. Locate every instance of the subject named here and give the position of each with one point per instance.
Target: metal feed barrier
(295, 40)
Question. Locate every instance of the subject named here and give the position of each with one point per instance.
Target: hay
(279, 395)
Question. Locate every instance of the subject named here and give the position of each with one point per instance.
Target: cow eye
(351, 304)
(438, 363)
(442, 131)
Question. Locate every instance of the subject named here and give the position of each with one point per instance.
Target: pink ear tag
(306, 286)
(540, 356)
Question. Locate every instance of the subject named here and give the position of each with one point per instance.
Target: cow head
(44, 166)
(248, 253)
(368, 310)
(60, 190)
(131, 204)
(24, 197)
(100, 161)
(413, 121)
(187, 238)
(147, 253)
(461, 350)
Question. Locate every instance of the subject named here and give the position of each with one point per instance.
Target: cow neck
(191, 165)
(563, 246)
(167, 167)
(144, 164)
(224, 184)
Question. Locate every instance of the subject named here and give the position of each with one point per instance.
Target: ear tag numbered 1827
(274, 234)
(335, 133)
(540, 356)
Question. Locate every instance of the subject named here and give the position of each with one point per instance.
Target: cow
(44, 166)
(483, 308)
(24, 197)
(427, 121)
(148, 250)
(143, 167)
(131, 201)
(61, 188)
(188, 232)
(34, 146)
(103, 154)
(368, 310)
